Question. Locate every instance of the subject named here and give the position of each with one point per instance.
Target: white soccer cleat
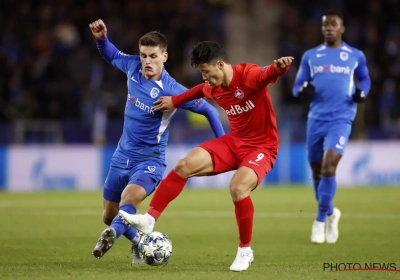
(137, 258)
(332, 226)
(242, 261)
(138, 221)
(318, 232)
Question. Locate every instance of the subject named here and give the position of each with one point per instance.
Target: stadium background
(61, 115)
(61, 105)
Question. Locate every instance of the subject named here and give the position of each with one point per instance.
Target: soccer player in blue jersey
(327, 74)
(138, 163)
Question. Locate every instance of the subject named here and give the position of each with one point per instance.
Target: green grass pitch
(51, 236)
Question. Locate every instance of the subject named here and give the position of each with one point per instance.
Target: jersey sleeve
(118, 59)
(362, 74)
(257, 77)
(189, 95)
(303, 74)
(199, 106)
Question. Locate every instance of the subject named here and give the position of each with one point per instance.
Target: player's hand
(164, 104)
(99, 29)
(284, 62)
(359, 96)
(307, 89)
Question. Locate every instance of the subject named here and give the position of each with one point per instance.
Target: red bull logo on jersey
(329, 68)
(237, 109)
(135, 101)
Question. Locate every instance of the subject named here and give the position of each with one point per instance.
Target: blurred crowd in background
(51, 69)
(372, 26)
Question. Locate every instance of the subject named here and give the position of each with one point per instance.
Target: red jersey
(246, 101)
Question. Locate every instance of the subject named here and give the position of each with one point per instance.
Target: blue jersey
(145, 131)
(332, 71)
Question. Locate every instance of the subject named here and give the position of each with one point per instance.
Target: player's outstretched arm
(363, 79)
(169, 103)
(284, 62)
(302, 86)
(99, 29)
(202, 107)
(107, 50)
(257, 77)
(164, 104)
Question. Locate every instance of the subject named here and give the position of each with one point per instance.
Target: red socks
(167, 191)
(244, 211)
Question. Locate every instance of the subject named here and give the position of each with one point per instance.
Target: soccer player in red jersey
(250, 148)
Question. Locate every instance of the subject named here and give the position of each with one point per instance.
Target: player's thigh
(337, 136)
(115, 183)
(221, 155)
(316, 131)
(197, 162)
(147, 175)
(260, 161)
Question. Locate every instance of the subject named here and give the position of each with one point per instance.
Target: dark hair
(334, 12)
(207, 52)
(154, 39)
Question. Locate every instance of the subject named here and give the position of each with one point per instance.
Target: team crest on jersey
(344, 56)
(239, 94)
(154, 92)
(151, 169)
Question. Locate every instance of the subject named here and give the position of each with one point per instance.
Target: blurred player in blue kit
(326, 74)
(138, 163)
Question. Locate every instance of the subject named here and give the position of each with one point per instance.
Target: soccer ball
(155, 248)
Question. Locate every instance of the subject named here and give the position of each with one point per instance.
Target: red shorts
(229, 153)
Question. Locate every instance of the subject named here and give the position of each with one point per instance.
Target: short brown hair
(154, 39)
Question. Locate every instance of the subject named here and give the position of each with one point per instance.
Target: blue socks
(326, 193)
(121, 228)
(316, 185)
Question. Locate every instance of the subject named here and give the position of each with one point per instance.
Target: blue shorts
(326, 135)
(146, 174)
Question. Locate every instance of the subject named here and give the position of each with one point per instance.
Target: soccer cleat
(138, 221)
(137, 257)
(332, 226)
(242, 261)
(318, 232)
(105, 242)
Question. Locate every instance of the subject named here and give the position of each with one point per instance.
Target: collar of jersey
(163, 73)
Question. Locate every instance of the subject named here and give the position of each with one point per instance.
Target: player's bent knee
(328, 170)
(133, 194)
(197, 163)
(240, 190)
(182, 168)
